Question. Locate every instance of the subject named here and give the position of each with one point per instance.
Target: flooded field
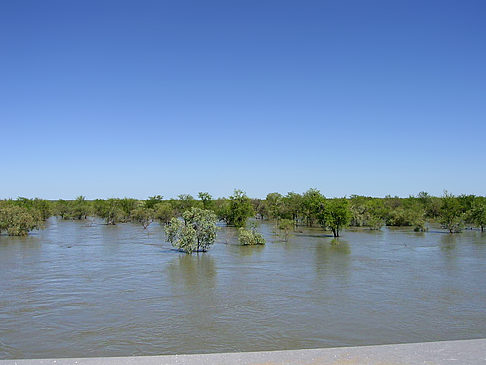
(86, 289)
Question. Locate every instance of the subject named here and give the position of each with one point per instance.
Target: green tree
(126, 205)
(260, 208)
(466, 202)
(286, 227)
(292, 206)
(375, 213)
(335, 215)
(274, 203)
(63, 209)
(44, 208)
(451, 213)
(312, 202)
(152, 201)
(424, 198)
(206, 199)
(164, 212)
(79, 208)
(478, 213)
(109, 210)
(433, 209)
(367, 212)
(183, 203)
(358, 208)
(195, 232)
(407, 216)
(18, 220)
(143, 215)
(222, 209)
(239, 209)
(392, 202)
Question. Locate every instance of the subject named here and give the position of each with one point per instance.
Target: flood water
(81, 289)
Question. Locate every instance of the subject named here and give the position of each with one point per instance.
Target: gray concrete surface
(444, 352)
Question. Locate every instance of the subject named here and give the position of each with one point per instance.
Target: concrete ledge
(444, 352)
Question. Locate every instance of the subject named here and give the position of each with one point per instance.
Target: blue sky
(135, 98)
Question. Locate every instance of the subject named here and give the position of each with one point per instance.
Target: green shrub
(19, 221)
(143, 215)
(250, 237)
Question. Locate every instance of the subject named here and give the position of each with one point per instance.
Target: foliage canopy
(195, 232)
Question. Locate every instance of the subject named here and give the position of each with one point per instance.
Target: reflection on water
(250, 250)
(195, 273)
(448, 241)
(340, 245)
(88, 289)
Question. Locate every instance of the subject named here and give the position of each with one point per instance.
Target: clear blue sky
(135, 98)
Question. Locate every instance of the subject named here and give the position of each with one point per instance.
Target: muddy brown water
(81, 289)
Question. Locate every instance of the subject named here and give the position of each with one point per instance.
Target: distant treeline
(20, 216)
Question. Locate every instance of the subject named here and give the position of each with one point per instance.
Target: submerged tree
(196, 232)
(335, 215)
(19, 221)
(274, 203)
(292, 206)
(44, 207)
(312, 202)
(260, 208)
(286, 226)
(63, 209)
(239, 209)
(80, 208)
(367, 212)
(126, 206)
(143, 215)
(109, 210)
(407, 216)
(250, 237)
(451, 213)
(478, 213)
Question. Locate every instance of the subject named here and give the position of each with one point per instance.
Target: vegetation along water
(132, 277)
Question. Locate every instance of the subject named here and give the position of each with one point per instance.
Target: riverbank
(462, 352)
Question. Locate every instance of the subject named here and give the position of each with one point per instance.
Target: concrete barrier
(444, 352)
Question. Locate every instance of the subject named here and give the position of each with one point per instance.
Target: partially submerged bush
(73, 209)
(420, 225)
(19, 221)
(195, 232)
(286, 227)
(250, 237)
(367, 212)
(408, 217)
(164, 212)
(374, 223)
(451, 216)
(478, 213)
(109, 210)
(143, 215)
(80, 208)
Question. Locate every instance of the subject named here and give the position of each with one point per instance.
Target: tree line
(453, 213)
(20, 216)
